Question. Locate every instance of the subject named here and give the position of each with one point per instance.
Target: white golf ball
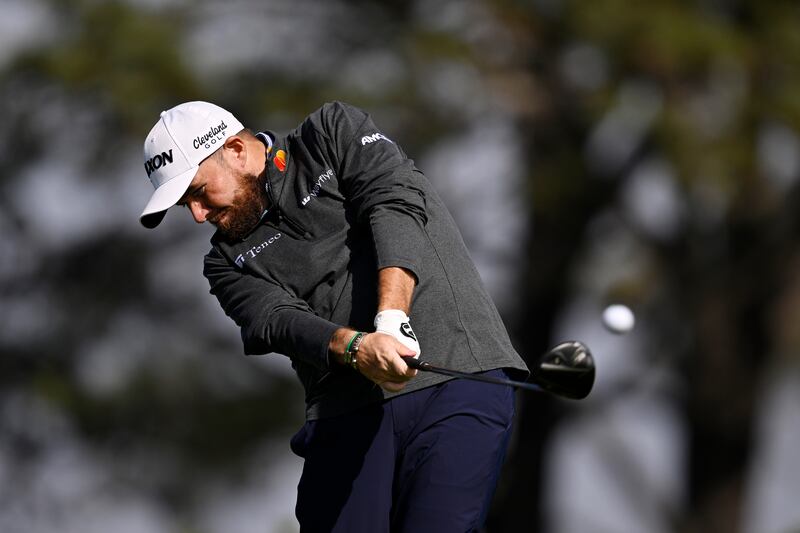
(618, 318)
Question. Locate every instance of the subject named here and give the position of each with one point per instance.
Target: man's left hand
(396, 323)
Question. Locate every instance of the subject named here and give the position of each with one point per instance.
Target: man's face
(230, 199)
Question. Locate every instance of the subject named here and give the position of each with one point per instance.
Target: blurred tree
(82, 98)
(718, 74)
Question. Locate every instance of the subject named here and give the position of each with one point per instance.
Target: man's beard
(234, 223)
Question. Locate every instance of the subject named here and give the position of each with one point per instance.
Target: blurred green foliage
(698, 84)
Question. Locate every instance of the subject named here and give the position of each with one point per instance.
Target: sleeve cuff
(305, 336)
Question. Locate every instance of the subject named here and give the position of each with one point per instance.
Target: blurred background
(646, 153)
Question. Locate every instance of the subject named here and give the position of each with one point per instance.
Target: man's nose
(199, 211)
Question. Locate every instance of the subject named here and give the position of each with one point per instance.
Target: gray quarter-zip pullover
(346, 203)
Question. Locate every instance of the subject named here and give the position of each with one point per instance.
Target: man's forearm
(395, 289)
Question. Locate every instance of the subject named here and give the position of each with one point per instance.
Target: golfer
(333, 249)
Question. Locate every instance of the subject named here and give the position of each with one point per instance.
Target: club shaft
(427, 367)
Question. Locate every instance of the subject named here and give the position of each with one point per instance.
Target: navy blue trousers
(426, 461)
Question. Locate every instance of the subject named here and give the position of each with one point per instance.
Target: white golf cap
(173, 150)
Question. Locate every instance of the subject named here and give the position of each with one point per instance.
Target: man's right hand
(379, 358)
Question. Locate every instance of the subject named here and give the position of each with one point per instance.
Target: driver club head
(566, 370)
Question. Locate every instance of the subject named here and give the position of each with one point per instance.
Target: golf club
(567, 370)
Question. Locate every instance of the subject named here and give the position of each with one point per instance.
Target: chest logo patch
(280, 160)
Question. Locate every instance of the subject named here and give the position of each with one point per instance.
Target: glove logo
(405, 329)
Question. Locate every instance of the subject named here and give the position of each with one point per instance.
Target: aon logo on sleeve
(374, 137)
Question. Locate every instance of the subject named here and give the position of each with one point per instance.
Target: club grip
(414, 363)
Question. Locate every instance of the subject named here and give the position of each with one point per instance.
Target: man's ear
(235, 151)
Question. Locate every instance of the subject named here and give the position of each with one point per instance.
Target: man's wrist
(351, 352)
(338, 344)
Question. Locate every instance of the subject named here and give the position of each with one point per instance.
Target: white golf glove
(395, 323)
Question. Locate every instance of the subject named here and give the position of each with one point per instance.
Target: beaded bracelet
(352, 349)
